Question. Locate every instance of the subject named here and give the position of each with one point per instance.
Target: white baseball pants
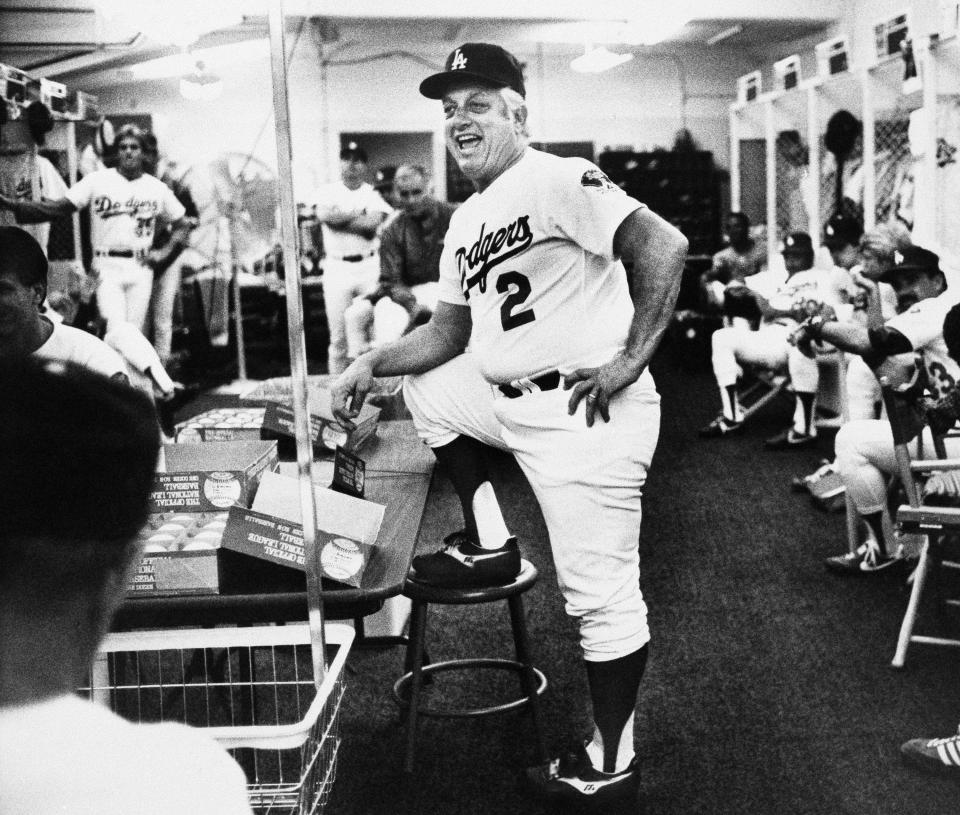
(342, 282)
(124, 289)
(865, 459)
(370, 326)
(588, 482)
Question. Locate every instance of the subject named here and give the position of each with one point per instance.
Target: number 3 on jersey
(521, 291)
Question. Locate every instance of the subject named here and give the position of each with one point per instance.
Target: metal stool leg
(414, 664)
(518, 624)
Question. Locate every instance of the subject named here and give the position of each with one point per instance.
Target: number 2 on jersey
(508, 317)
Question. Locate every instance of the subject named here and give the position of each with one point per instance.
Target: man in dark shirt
(410, 247)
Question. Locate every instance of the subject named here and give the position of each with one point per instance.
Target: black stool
(532, 679)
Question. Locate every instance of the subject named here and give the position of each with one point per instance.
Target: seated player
(769, 346)
(742, 258)
(874, 302)
(864, 448)
(79, 453)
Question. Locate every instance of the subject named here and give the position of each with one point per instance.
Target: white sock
(625, 750)
(491, 528)
(731, 408)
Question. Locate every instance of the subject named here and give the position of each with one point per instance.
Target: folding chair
(907, 423)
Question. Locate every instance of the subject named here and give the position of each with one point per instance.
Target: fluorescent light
(201, 86)
(599, 59)
(626, 32)
(726, 34)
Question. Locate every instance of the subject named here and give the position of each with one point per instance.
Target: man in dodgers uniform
(124, 205)
(864, 448)
(769, 345)
(349, 212)
(530, 277)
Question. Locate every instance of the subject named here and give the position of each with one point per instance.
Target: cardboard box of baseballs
(347, 529)
(180, 554)
(194, 486)
(325, 433)
(222, 424)
(210, 476)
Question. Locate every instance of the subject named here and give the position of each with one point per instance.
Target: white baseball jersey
(815, 286)
(532, 256)
(922, 324)
(339, 243)
(68, 344)
(124, 212)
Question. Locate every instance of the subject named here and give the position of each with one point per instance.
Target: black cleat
(789, 440)
(462, 563)
(720, 427)
(572, 779)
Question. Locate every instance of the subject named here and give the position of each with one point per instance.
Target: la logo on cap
(897, 258)
(459, 61)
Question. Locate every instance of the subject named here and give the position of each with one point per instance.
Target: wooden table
(398, 475)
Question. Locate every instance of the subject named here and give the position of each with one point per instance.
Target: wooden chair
(934, 522)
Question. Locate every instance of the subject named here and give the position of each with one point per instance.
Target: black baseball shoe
(789, 440)
(720, 427)
(462, 563)
(936, 756)
(572, 779)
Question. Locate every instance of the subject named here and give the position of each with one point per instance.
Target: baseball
(198, 545)
(341, 559)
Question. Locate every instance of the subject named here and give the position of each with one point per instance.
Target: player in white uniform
(864, 448)
(24, 331)
(769, 346)
(349, 212)
(124, 206)
(530, 277)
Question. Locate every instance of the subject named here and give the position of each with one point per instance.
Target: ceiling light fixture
(201, 85)
(596, 60)
(726, 34)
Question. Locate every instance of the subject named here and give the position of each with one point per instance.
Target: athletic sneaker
(803, 483)
(789, 439)
(939, 756)
(571, 778)
(721, 426)
(461, 563)
(866, 560)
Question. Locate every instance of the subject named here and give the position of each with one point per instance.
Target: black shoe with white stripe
(937, 756)
(463, 564)
(572, 779)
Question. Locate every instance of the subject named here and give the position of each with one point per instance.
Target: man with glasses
(410, 248)
(125, 203)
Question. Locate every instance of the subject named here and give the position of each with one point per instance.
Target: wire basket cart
(252, 689)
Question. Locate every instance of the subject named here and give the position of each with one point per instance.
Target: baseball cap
(797, 243)
(482, 61)
(352, 150)
(842, 230)
(912, 259)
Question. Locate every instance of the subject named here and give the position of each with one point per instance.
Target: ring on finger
(591, 397)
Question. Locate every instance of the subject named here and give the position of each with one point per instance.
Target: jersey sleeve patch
(597, 179)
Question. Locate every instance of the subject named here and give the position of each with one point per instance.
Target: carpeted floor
(768, 689)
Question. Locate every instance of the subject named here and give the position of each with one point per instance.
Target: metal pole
(813, 164)
(869, 153)
(734, 159)
(298, 351)
(770, 132)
